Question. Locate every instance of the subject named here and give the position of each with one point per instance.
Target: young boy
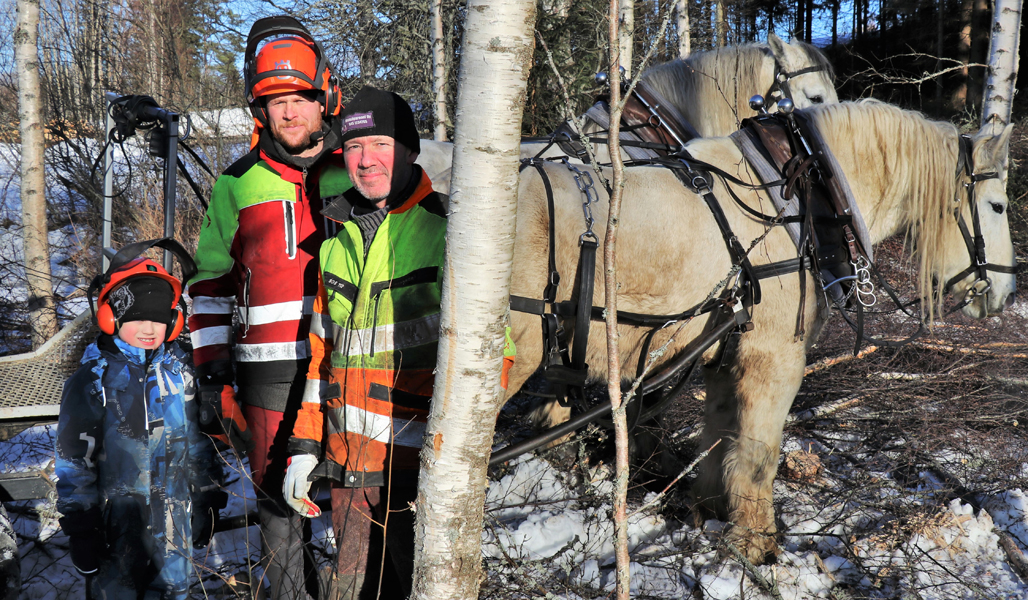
(137, 481)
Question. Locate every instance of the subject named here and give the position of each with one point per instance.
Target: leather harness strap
(975, 242)
(655, 120)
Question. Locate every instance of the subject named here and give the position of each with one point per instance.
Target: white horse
(711, 90)
(903, 173)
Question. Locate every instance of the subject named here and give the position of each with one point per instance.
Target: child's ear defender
(177, 322)
(105, 319)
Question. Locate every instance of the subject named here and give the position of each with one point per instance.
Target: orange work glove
(222, 419)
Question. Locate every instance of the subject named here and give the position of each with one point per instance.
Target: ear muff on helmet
(178, 321)
(105, 319)
(290, 60)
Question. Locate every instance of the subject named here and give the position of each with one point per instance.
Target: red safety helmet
(128, 264)
(290, 60)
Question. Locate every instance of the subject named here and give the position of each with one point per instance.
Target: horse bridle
(975, 242)
(780, 86)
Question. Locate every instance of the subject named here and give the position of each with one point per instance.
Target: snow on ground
(532, 516)
(544, 526)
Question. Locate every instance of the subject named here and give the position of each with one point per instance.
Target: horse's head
(802, 73)
(983, 277)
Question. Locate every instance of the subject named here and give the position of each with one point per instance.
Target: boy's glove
(86, 534)
(205, 517)
(296, 486)
(222, 419)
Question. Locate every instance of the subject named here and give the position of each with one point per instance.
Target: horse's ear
(777, 45)
(996, 146)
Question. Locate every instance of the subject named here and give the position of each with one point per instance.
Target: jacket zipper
(246, 302)
(289, 213)
(374, 323)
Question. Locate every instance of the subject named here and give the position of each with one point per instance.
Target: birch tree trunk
(959, 98)
(684, 32)
(439, 73)
(496, 58)
(626, 35)
(720, 24)
(610, 303)
(998, 99)
(42, 317)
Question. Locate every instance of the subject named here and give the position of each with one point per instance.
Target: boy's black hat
(143, 298)
(377, 112)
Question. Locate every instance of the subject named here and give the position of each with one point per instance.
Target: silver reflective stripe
(273, 351)
(321, 324)
(208, 305)
(272, 313)
(209, 336)
(388, 338)
(312, 391)
(378, 427)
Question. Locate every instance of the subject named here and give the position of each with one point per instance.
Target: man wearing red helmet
(257, 256)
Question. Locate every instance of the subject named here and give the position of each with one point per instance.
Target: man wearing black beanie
(373, 346)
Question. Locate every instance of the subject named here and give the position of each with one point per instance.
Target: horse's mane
(916, 160)
(711, 79)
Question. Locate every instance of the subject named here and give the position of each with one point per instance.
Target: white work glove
(295, 487)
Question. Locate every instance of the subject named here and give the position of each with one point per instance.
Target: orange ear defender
(105, 319)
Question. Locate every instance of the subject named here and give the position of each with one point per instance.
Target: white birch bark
(439, 73)
(496, 58)
(622, 561)
(626, 31)
(42, 317)
(998, 100)
(721, 24)
(684, 29)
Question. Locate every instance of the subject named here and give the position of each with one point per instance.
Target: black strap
(696, 181)
(583, 314)
(553, 278)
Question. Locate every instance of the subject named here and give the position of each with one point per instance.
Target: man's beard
(302, 146)
(361, 188)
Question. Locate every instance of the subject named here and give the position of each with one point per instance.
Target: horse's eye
(996, 207)
(817, 100)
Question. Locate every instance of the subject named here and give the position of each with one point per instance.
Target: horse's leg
(747, 403)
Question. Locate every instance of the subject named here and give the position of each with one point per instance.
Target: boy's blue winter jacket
(128, 442)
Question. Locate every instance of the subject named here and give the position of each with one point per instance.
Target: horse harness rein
(566, 367)
(667, 132)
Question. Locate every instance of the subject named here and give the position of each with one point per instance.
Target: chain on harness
(584, 181)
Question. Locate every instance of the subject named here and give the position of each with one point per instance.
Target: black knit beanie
(376, 112)
(142, 299)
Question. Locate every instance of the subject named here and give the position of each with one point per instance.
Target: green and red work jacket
(257, 251)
